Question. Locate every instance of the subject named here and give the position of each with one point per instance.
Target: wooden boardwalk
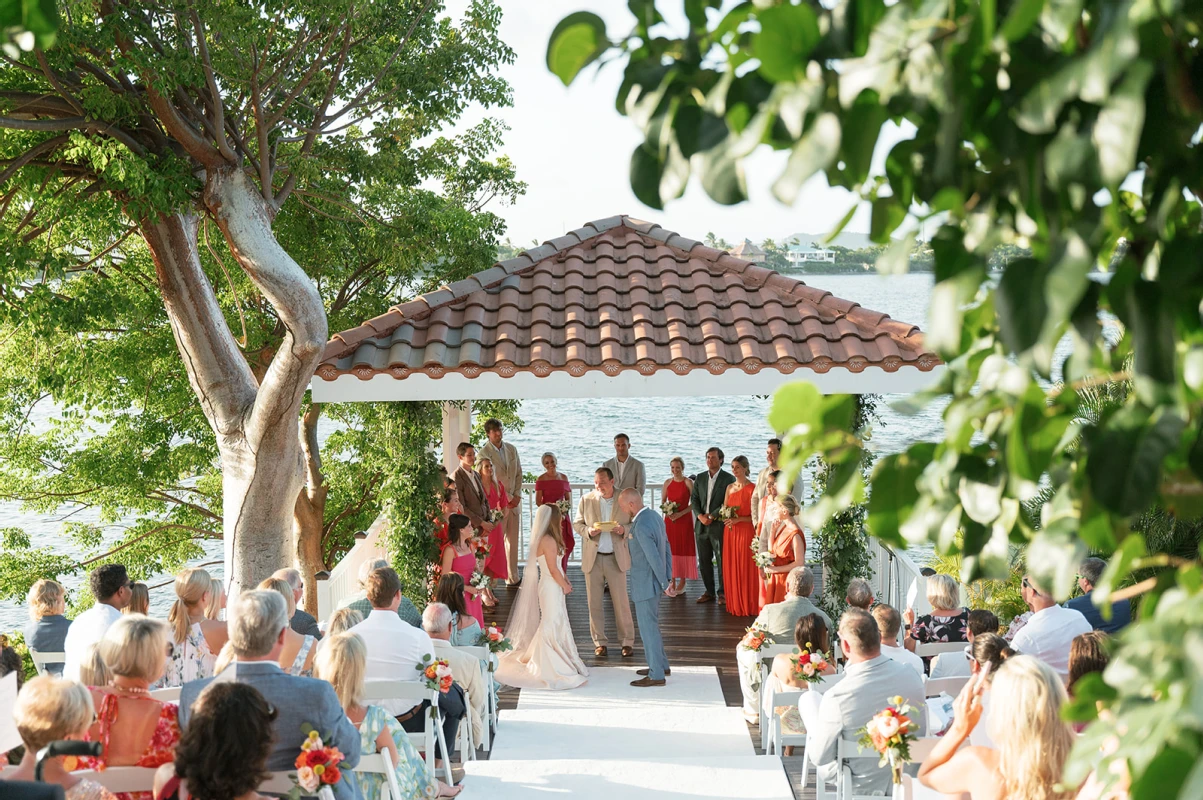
(694, 635)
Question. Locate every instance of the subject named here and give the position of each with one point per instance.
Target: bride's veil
(525, 617)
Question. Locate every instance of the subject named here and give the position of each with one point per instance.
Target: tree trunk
(309, 515)
(255, 422)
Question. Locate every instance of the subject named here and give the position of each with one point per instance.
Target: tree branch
(66, 124)
(219, 120)
(31, 154)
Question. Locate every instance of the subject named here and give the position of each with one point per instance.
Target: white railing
(651, 497)
(343, 581)
(894, 575)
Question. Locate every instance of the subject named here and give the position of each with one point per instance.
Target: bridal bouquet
(565, 505)
(668, 508)
(479, 580)
(754, 638)
(728, 513)
(436, 673)
(808, 666)
(890, 733)
(493, 638)
(318, 767)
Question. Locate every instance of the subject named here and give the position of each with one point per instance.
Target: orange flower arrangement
(317, 765)
(808, 666)
(890, 733)
(436, 672)
(754, 639)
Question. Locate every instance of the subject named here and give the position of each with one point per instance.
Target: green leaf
(813, 152)
(576, 42)
(695, 11)
(1021, 305)
(1131, 550)
(723, 177)
(1019, 21)
(896, 259)
(646, 172)
(646, 13)
(1035, 434)
(1119, 124)
(887, 215)
(787, 35)
(1125, 457)
(697, 129)
(796, 405)
(895, 491)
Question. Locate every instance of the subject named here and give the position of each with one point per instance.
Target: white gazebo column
(457, 427)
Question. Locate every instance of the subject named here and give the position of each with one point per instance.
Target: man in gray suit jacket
(627, 470)
(651, 570)
(709, 491)
(870, 680)
(257, 623)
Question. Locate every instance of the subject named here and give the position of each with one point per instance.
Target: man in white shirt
(112, 589)
(870, 680)
(396, 649)
(889, 622)
(465, 669)
(1051, 629)
(627, 470)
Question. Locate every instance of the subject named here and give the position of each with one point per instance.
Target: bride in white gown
(544, 654)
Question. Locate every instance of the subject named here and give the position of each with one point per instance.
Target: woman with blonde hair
(342, 663)
(217, 602)
(195, 639)
(948, 620)
(342, 621)
(1031, 741)
(139, 599)
(92, 670)
(49, 709)
(47, 629)
(136, 729)
(297, 656)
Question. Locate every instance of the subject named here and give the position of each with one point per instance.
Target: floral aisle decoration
(754, 638)
(890, 733)
(494, 638)
(435, 673)
(318, 767)
(808, 665)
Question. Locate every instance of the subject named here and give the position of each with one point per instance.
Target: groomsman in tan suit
(507, 469)
(626, 469)
(605, 559)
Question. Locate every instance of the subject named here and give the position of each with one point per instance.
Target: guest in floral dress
(948, 621)
(135, 651)
(458, 557)
(297, 656)
(49, 709)
(343, 664)
(196, 639)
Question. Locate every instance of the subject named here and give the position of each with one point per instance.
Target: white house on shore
(798, 254)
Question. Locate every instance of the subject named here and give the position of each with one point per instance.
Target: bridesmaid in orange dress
(741, 578)
(788, 546)
(769, 511)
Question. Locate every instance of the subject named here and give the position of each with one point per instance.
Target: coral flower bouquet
(808, 665)
(318, 767)
(436, 672)
(890, 733)
(754, 638)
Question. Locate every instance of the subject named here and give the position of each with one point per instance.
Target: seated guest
(302, 621)
(465, 630)
(395, 649)
(778, 621)
(92, 670)
(406, 611)
(342, 621)
(47, 630)
(810, 633)
(215, 609)
(889, 623)
(196, 640)
(136, 729)
(258, 622)
(111, 587)
(1121, 610)
(297, 656)
(870, 680)
(342, 663)
(956, 665)
(10, 661)
(948, 621)
(49, 709)
(859, 594)
(1087, 654)
(465, 669)
(1031, 741)
(139, 599)
(231, 724)
(991, 650)
(1050, 632)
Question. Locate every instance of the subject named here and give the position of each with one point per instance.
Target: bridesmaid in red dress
(458, 557)
(741, 578)
(679, 526)
(788, 546)
(496, 497)
(551, 487)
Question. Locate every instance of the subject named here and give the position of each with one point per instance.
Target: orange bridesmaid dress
(741, 578)
(781, 545)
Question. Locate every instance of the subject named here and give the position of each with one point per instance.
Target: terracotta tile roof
(622, 294)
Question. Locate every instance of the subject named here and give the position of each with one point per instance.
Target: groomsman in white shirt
(627, 470)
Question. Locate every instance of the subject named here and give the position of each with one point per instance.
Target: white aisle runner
(610, 740)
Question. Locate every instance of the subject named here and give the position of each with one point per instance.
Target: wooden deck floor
(694, 635)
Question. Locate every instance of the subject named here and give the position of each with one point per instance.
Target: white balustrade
(343, 581)
(651, 497)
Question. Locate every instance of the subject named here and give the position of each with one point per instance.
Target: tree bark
(309, 515)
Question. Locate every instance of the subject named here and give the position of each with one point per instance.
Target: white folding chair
(779, 736)
(910, 788)
(168, 695)
(845, 749)
(121, 779)
(381, 764)
(283, 783)
(485, 658)
(928, 649)
(949, 686)
(764, 663)
(432, 731)
(40, 660)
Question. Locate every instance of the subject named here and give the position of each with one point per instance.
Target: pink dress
(552, 492)
(680, 533)
(495, 566)
(465, 565)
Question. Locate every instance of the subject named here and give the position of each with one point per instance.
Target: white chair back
(168, 695)
(415, 692)
(764, 665)
(40, 659)
(121, 779)
(923, 650)
(484, 657)
(949, 686)
(381, 764)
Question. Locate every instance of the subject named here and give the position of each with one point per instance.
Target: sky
(573, 149)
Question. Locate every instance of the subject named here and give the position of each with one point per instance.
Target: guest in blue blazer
(257, 623)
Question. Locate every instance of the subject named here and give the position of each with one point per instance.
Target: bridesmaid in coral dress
(679, 527)
(495, 495)
(788, 546)
(769, 512)
(741, 578)
(551, 487)
(458, 557)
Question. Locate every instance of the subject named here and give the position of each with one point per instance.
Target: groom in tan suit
(605, 560)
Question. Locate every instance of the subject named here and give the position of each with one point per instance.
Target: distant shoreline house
(749, 252)
(799, 254)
